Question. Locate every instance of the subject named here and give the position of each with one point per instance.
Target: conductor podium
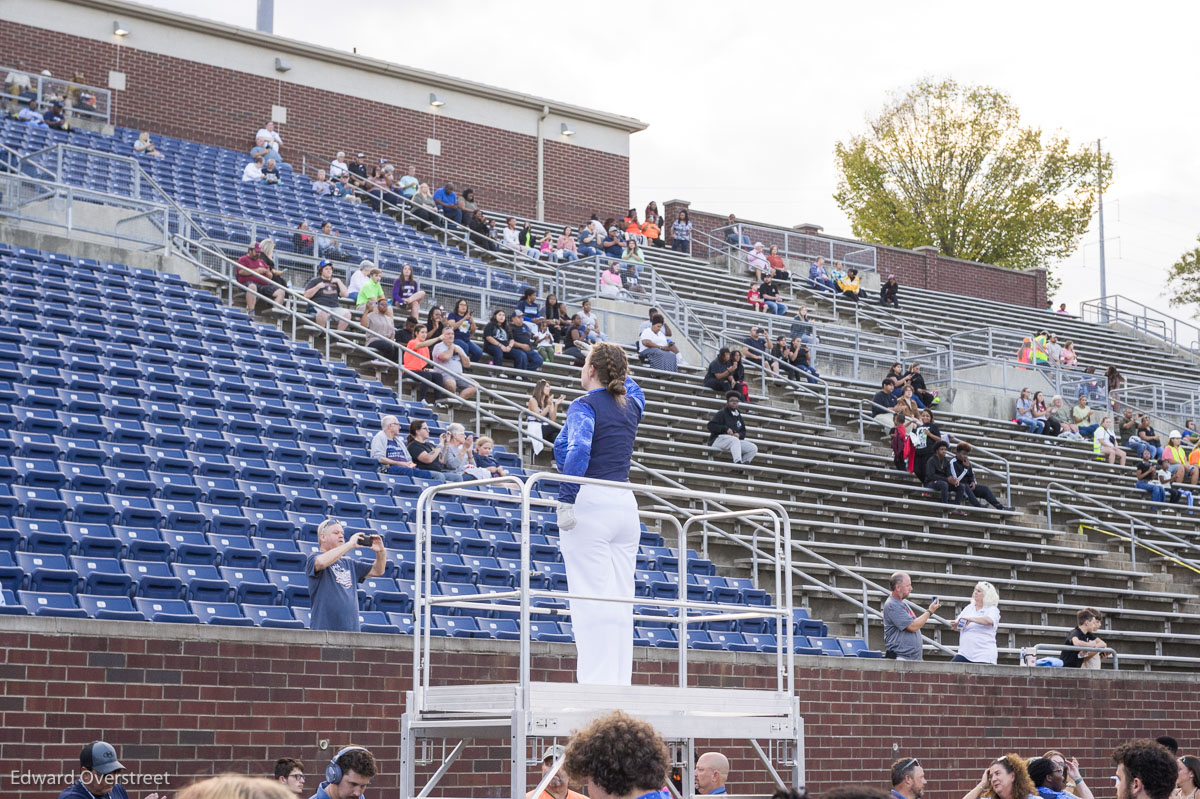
(443, 718)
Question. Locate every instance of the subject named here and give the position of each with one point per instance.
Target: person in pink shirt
(567, 248)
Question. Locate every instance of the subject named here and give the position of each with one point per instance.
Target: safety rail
(1065, 648)
(1141, 318)
(1134, 525)
(800, 245)
(79, 100)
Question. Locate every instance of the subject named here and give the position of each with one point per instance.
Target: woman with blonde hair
(235, 786)
(543, 415)
(1006, 778)
(977, 624)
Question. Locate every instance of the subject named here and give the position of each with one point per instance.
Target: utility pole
(266, 16)
(1100, 194)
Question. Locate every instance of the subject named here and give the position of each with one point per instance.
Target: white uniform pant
(742, 450)
(600, 554)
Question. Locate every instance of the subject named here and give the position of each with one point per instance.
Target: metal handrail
(1143, 318)
(1065, 648)
(42, 81)
(782, 376)
(775, 233)
(1134, 524)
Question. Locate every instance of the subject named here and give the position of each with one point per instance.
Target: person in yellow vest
(1040, 358)
(1182, 470)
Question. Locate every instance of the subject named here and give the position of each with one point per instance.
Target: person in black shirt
(937, 473)
(913, 375)
(961, 471)
(889, 292)
(1147, 477)
(769, 293)
(1084, 634)
(726, 373)
(522, 340)
(727, 431)
(756, 346)
(926, 435)
(481, 234)
(881, 405)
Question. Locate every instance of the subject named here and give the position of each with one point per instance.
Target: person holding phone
(333, 578)
(901, 625)
(977, 624)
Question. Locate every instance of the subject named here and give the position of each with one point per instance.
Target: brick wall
(223, 107)
(192, 701)
(921, 268)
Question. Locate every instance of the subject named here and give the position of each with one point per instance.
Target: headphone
(333, 772)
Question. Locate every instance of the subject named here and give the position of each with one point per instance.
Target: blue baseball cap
(100, 757)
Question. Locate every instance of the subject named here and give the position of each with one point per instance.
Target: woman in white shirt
(977, 624)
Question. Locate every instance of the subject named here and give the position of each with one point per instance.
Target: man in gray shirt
(902, 627)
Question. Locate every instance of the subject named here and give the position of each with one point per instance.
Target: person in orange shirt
(557, 787)
(652, 230)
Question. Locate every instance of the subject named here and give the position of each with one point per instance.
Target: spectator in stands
(377, 317)
(658, 350)
(360, 277)
(423, 206)
(1082, 416)
(406, 291)
(527, 307)
(511, 237)
(333, 578)
(681, 234)
(977, 623)
(556, 317)
(726, 374)
(1175, 494)
(1005, 778)
(902, 627)
(289, 772)
(1187, 784)
(31, 116)
(481, 234)
(589, 242)
(818, 277)
(417, 360)
(425, 454)
(143, 145)
(635, 258)
(338, 166)
(452, 360)
(915, 379)
(1146, 437)
(1053, 350)
(1084, 635)
(1127, 427)
(610, 281)
(1068, 357)
(1116, 381)
(372, 289)
(632, 227)
(1173, 453)
(712, 770)
(796, 358)
(778, 268)
(354, 767)
(498, 343)
(463, 323)
(460, 454)
(408, 184)
(327, 243)
(324, 292)
(576, 344)
(904, 453)
(1145, 770)
(802, 327)
(253, 171)
(269, 135)
(769, 293)
(925, 435)
(727, 431)
(543, 341)
(1025, 413)
(756, 348)
(435, 321)
(965, 485)
(1041, 411)
(849, 285)
(258, 277)
(937, 473)
(260, 148)
(882, 404)
(618, 756)
(1060, 413)
(343, 189)
(302, 240)
(388, 448)
(321, 186)
(446, 200)
(1146, 477)
(908, 778)
(612, 244)
(756, 261)
(270, 173)
(591, 323)
(358, 170)
(652, 229)
(484, 458)
(734, 235)
(1105, 444)
(907, 403)
(754, 298)
(889, 292)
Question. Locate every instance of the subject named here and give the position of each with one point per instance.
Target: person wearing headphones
(599, 528)
(347, 775)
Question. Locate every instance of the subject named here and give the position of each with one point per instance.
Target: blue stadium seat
(277, 616)
(174, 611)
(112, 608)
(222, 613)
(279, 553)
(101, 576)
(661, 637)
(50, 573)
(143, 543)
(828, 646)
(52, 604)
(153, 579)
(805, 647)
(202, 583)
(10, 606)
(250, 586)
(294, 586)
(460, 626)
(702, 640)
(235, 550)
(44, 535)
(857, 647)
(548, 631)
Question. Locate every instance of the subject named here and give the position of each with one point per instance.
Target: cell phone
(366, 540)
(935, 599)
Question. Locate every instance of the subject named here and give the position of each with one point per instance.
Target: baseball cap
(362, 155)
(100, 757)
(554, 752)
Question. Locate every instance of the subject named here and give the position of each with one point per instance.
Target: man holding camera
(333, 578)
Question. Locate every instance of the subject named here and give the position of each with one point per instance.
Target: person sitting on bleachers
(460, 455)
(143, 145)
(321, 185)
(882, 403)
(446, 200)
(566, 248)
(658, 350)
(592, 324)
(427, 456)
(769, 292)
(555, 314)
(416, 357)
(937, 473)
(818, 277)
(734, 235)
(500, 342)
(543, 340)
(387, 447)
(406, 291)
(1068, 357)
(915, 379)
(727, 431)
(1060, 413)
(613, 245)
(408, 184)
(726, 373)
(756, 348)
(481, 234)
(1146, 438)
(652, 229)
(756, 261)
(31, 116)
(54, 117)
(1146, 477)
(610, 281)
(338, 166)
(849, 284)
(1041, 411)
(925, 435)
(907, 403)
(1025, 413)
(484, 459)
(302, 240)
(435, 320)
(258, 276)
(965, 486)
(796, 358)
(270, 173)
(1105, 444)
(463, 323)
(889, 292)
(576, 341)
(272, 138)
(589, 243)
(360, 277)
(631, 227)
(372, 289)
(903, 451)
(511, 237)
(253, 171)
(343, 189)
(1181, 469)
(324, 291)
(260, 148)
(522, 339)
(378, 318)
(1082, 416)
(327, 244)
(754, 298)
(358, 171)
(778, 268)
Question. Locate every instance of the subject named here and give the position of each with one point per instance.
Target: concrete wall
(216, 84)
(192, 701)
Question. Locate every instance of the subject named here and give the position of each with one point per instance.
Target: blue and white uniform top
(597, 437)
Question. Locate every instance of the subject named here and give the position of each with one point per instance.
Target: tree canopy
(952, 167)
(1183, 279)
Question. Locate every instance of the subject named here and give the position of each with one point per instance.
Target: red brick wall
(223, 107)
(193, 702)
(913, 268)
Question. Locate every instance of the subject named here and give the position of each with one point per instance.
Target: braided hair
(612, 367)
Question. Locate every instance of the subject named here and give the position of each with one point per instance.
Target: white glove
(566, 516)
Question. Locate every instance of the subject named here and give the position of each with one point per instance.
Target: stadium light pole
(1100, 194)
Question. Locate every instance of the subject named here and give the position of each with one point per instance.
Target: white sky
(745, 101)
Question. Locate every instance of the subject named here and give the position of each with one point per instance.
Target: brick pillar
(808, 229)
(930, 269)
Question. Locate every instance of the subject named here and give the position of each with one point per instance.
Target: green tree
(952, 167)
(1183, 281)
